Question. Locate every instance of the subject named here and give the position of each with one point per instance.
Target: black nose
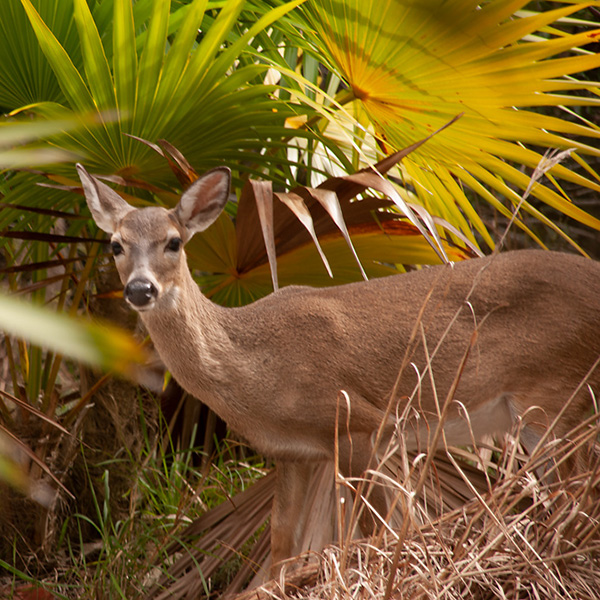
(140, 291)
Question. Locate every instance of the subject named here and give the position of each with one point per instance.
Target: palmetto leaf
(163, 82)
(69, 78)
(23, 84)
(96, 64)
(413, 65)
(177, 90)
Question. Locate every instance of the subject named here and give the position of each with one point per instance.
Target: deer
(521, 328)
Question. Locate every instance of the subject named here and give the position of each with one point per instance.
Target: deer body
(304, 345)
(528, 321)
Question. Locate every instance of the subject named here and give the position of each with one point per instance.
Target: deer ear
(106, 206)
(204, 200)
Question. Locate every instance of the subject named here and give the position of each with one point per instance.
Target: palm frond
(413, 66)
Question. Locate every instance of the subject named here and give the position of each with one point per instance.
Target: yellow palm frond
(415, 65)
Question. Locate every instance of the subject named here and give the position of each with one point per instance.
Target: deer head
(150, 269)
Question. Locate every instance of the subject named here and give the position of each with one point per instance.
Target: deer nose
(140, 292)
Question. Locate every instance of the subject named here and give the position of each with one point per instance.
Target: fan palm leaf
(177, 91)
(414, 65)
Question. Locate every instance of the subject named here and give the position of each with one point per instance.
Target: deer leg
(288, 515)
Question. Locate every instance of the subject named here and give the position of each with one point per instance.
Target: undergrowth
(171, 489)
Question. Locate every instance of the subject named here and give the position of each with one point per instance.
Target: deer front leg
(288, 516)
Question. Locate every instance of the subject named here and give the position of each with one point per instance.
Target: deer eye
(174, 244)
(116, 248)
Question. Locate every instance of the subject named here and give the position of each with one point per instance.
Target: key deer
(529, 322)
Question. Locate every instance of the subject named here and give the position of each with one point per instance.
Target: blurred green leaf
(96, 344)
(15, 135)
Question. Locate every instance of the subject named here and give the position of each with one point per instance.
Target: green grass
(103, 557)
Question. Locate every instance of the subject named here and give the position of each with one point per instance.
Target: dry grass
(523, 539)
(518, 535)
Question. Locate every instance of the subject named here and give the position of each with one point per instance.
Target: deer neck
(189, 333)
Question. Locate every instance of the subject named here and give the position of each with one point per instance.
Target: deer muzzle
(140, 293)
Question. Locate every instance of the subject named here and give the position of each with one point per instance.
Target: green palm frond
(191, 92)
(27, 82)
(144, 71)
